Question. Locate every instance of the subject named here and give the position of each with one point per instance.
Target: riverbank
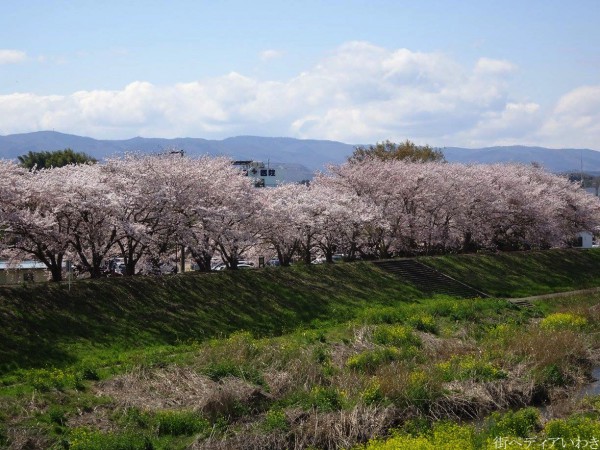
(328, 357)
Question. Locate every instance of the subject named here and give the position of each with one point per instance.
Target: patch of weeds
(405, 387)
(423, 322)
(573, 429)
(417, 426)
(542, 348)
(372, 393)
(325, 398)
(443, 435)
(421, 390)
(387, 315)
(85, 439)
(3, 436)
(563, 321)
(551, 375)
(137, 418)
(321, 354)
(469, 368)
(89, 373)
(462, 310)
(395, 335)
(239, 346)
(217, 371)
(522, 423)
(500, 333)
(370, 360)
(176, 423)
(275, 420)
(57, 415)
(45, 380)
(322, 398)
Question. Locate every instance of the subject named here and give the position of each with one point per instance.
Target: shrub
(563, 321)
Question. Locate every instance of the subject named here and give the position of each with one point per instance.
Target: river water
(593, 388)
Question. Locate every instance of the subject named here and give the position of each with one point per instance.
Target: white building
(264, 176)
(584, 239)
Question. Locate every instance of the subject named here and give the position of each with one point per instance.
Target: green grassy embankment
(523, 274)
(304, 357)
(51, 325)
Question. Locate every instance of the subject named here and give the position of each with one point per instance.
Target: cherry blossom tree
(31, 214)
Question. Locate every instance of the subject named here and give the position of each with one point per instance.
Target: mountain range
(299, 158)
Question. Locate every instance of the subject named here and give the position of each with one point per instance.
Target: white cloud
(575, 121)
(267, 55)
(12, 56)
(359, 93)
(494, 66)
(512, 125)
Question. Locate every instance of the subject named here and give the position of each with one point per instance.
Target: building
(264, 176)
(23, 272)
(584, 239)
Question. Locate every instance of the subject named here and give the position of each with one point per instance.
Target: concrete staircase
(428, 279)
(521, 303)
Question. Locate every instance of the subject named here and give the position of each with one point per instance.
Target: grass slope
(522, 274)
(190, 361)
(49, 324)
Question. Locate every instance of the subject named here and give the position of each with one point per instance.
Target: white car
(239, 266)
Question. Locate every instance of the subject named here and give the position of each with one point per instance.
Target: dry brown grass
(98, 419)
(170, 388)
(334, 430)
(541, 348)
(181, 388)
(26, 438)
(442, 349)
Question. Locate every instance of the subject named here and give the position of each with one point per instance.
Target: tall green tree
(58, 158)
(388, 150)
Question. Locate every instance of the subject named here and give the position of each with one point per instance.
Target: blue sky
(468, 73)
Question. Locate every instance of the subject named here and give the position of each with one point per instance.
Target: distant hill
(554, 160)
(298, 158)
(312, 154)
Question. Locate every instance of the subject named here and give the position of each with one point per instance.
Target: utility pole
(182, 257)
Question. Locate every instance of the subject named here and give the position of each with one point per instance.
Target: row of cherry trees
(143, 208)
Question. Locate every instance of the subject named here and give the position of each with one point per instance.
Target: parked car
(335, 258)
(239, 266)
